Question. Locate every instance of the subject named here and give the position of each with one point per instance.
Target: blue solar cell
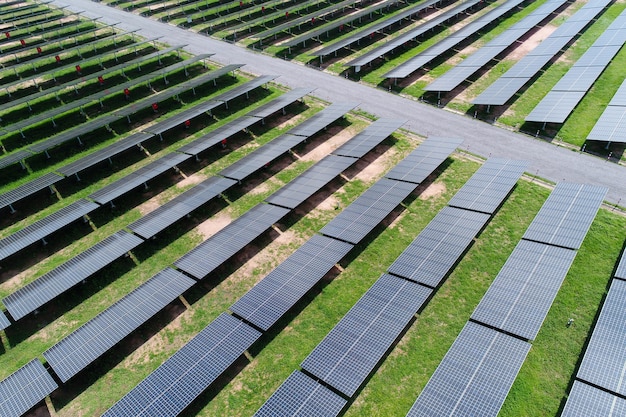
(24, 388)
(585, 400)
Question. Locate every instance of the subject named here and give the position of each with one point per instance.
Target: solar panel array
(488, 187)
(216, 136)
(45, 288)
(378, 27)
(358, 219)
(352, 349)
(281, 102)
(18, 193)
(311, 181)
(475, 380)
(24, 388)
(321, 119)
(611, 125)
(451, 79)
(424, 160)
(413, 64)
(186, 374)
(605, 359)
(282, 288)
(44, 227)
(220, 247)
(519, 74)
(412, 34)
(437, 248)
(475, 376)
(85, 344)
(557, 105)
(585, 400)
(519, 298)
(302, 396)
(565, 217)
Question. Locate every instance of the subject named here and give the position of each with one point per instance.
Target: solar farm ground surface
(544, 378)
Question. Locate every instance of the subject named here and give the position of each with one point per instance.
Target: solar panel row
(558, 104)
(4, 321)
(437, 248)
(32, 187)
(38, 230)
(139, 177)
(167, 214)
(84, 345)
(504, 87)
(611, 125)
(566, 216)
(302, 396)
(520, 297)
(361, 217)
(349, 353)
(180, 379)
(322, 119)
(282, 288)
(475, 375)
(371, 136)
(24, 388)
(413, 64)
(451, 79)
(424, 160)
(220, 247)
(585, 400)
(45, 288)
(621, 267)
(605, 359)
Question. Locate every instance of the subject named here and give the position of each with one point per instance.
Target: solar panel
(281, 102)
(611, 36)
(216, 136)
(565, 217)
(437, 248)
(420, 163)
(367, 139)
(352, 349)
(521, 295)
(619, 99)
(87, 343)
(245, 88)
(104, 153)
(527, 66)
(474, 377)
(310, 181)
(500, 91)
(598, 55)
(179, 380)
(548, 48)
(579, 78)
(490, 185)
(4, 321)
(556, 106)
(611, 126)
(28, 189)
(301, 396)
(451, 79)
(213, 252)
(138, 177)
(179, 207)
(621, 267)
(322, 119)
(282, 288)
(605, 358)
(14, 157)
(55, 282)
(585, 400)
(179, 119)
(261, 157)
(367, 211)
(24, 388)
(19, 240)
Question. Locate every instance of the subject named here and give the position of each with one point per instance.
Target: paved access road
(547, 160)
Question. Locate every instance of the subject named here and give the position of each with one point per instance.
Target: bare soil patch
(532, 42)
(149, 206)
(191, 180)
(433, 190)
(377, 167)
(213, 225)
(329, 145)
